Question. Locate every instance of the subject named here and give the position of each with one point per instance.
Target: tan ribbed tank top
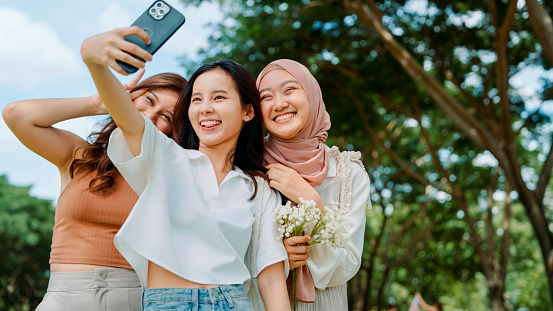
(86, 223)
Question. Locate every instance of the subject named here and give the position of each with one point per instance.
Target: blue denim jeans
(221, 298)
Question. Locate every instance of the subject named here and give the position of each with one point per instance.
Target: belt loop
(195, 299)
(211, 298)
(101, 278)
(227, 296)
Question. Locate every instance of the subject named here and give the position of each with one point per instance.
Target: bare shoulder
(79, 146)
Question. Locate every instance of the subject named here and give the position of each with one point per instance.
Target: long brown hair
(94, 156)
(248, 154)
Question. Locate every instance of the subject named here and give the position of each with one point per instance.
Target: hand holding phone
(160, 21)
(108, 47)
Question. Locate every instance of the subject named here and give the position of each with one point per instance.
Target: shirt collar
(194, 154)
(236, 172)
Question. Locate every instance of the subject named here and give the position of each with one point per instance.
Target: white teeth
(210, 123)
(285, 117)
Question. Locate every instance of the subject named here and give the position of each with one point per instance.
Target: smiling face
(284, 104)
(158, 105)
(215, 111)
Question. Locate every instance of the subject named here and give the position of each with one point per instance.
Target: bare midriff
(70, 267)
(159, 277)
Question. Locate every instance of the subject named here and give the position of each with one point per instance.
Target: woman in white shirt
(189, 233)
(300, 165)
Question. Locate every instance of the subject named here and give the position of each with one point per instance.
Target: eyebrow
(154, 95)
(172, 114)
(281, 85)
(214, 92)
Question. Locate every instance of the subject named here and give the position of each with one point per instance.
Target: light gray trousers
(102, 289)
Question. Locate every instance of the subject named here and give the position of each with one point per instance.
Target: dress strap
(253, 290)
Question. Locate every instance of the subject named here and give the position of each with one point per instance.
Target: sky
(40, 58)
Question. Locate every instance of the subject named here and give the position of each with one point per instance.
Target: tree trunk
(473, 128)
(497, 299)
(358, 293)
(381, 288)
(543, 27)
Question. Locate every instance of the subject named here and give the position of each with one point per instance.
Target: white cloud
(40, 58)
(114, 16)
(7, 139)
(36, 54)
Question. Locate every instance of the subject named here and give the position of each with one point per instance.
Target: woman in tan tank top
(88, 273)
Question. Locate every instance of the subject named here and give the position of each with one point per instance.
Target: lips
(209, 124)
(284, 117)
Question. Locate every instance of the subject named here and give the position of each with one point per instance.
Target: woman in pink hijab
(301, 165)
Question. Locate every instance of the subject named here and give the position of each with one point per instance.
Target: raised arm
(99, 52)
(32, 123)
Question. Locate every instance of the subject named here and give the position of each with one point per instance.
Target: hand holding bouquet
(328, 227)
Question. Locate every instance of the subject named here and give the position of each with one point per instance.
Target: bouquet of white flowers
(329, 228)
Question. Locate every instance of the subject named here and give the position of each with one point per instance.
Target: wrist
(94, 105)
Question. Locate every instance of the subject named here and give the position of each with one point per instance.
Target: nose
(280, 103)
(206, 107)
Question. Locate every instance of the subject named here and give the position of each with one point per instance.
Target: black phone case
(159, 32)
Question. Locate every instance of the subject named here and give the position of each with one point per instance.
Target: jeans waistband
(194, 295)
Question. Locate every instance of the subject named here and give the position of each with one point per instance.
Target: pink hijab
(305, 153)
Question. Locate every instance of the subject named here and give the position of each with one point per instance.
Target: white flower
(329, 228)
(332, 229)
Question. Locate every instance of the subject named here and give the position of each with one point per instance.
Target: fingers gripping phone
(160, 21)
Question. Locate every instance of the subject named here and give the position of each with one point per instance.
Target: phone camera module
(159, 10)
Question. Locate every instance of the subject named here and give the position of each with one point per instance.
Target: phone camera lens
(162, 11)
(159, 4)
(153, 11)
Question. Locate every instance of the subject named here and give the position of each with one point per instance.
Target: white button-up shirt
(183, 221)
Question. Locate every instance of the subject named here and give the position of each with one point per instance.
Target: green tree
(422, 89)
(26, 224)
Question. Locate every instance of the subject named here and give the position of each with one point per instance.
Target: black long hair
(248, 154)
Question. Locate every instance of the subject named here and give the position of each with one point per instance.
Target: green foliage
(26, 225)
(376, 108)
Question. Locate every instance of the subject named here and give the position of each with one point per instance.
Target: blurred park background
(449, 103)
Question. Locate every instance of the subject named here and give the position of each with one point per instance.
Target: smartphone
(160, 21)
